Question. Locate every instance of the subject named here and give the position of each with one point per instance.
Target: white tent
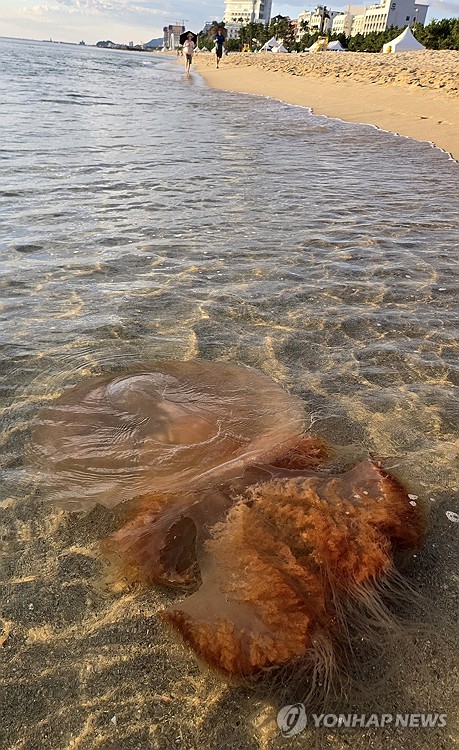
(405, 42)
(279, 48)
(268, 46)
(335, 46)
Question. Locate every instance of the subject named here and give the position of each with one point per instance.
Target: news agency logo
(293, 719)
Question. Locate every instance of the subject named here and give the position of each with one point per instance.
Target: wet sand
(414, 94)
(84, 667)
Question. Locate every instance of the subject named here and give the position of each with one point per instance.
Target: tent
(279, 48)
(405, 42)
(268, 46)
(335, 46)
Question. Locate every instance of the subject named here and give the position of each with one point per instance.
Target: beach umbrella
(184, 37)
(214, 28)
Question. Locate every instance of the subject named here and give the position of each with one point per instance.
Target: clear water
(145, 216)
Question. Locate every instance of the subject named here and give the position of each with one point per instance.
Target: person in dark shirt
(219, 41)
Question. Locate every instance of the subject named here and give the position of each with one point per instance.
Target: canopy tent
(279, 48)
(268, 46)
(405, 42)
(335, 46)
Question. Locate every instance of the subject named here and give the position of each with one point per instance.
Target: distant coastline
(113, 45)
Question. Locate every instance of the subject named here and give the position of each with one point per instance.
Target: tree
(443, 34)
(308, 39)
(233, 45)
(280, 27)
(254, 35)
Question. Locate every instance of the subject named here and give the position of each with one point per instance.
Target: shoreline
(425, 114)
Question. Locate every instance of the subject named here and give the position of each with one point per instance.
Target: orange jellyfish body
(231, 494)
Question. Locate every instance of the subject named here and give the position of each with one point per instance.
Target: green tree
(443, 34)
(253, 34)
(233, 45)
(280, 27)
(372, 42)
(308, 39)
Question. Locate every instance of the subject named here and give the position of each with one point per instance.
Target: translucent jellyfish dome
(158, 428)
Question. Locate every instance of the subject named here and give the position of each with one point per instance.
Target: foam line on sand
(412, 108)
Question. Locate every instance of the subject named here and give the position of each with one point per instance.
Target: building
(171, 35)
(342, 23)
(396, 13)
(319, 20)
(232, 30)
(247, 11)
(358, 19)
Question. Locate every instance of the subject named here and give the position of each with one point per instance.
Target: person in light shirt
(188, 49)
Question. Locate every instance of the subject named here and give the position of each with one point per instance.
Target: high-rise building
(247, 11)
(379, 17)
(171, 35)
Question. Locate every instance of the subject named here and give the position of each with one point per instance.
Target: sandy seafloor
(86, 667)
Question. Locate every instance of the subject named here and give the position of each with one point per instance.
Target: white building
(362, 20)
(247, 11)
(396, 13)
(342, 24)
(171, 35)
(311, 21)
(232, 30)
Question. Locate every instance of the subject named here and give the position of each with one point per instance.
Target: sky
(123, 21)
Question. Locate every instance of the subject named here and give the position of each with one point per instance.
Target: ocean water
(145, 216)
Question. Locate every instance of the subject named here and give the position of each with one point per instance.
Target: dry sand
(415, 94)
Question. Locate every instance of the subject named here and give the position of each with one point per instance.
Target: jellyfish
(161, 427)
(233, 504)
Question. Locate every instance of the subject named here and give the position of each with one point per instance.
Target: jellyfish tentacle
(290, 551)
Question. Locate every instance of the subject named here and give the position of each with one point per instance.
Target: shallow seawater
(143, 217)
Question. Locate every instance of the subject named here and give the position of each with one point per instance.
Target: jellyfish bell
(160, 428)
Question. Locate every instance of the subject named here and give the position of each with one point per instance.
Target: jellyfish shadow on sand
(278, 553)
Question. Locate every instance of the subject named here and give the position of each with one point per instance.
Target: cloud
(139, 20)
(443, 9)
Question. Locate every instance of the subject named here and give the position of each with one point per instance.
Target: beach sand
(414, 94)
(84, 667)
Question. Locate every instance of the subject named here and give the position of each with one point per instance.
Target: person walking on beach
(219, 41)
(188, 48)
